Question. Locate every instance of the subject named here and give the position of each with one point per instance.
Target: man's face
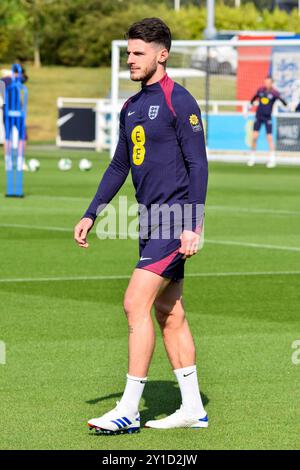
(268, 83)
(143, 59)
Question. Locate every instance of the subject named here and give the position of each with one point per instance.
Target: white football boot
(271, 163)
(116, 422)
(179, 419)
(251, 161)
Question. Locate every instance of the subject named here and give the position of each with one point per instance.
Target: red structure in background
(253, 66)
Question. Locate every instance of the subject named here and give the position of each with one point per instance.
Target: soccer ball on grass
(85, 164)
(65, 164)
(33, 165)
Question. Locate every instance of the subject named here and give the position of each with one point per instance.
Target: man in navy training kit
(161, 141)
(266, 97)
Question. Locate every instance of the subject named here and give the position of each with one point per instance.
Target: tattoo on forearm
(130, 329)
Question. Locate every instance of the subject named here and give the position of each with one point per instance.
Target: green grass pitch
(66, 336)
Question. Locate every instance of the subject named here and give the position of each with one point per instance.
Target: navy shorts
(266, 121)
(162, 257)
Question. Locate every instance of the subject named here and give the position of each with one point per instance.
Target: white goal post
(223, 69)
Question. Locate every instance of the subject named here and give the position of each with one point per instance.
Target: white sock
(190, 393)
(133, 393)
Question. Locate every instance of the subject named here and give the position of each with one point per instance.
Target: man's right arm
(113, 178)
(254, 98)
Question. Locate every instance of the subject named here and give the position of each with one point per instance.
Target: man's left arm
(279, 97)
(190, 135)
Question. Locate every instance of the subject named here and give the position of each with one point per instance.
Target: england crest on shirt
(153, 112)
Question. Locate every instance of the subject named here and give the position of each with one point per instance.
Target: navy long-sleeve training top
(161, 139)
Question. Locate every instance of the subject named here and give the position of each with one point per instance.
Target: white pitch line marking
(37, 227)
(213, 242)
(253, 245)
(127, 276)
(212, 207)
(253, 210)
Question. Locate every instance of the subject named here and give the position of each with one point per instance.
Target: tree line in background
(79, 32)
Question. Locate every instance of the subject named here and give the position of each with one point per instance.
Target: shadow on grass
(161, 397)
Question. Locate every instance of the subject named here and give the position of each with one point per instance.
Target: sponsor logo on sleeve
(195, 123)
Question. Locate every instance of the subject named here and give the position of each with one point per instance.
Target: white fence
(103, 111)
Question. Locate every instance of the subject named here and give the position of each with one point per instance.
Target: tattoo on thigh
(130, 329)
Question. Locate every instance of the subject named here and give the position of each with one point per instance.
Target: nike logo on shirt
(143, 259)
(130, 113)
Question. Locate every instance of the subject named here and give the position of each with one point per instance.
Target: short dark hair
(151, 30)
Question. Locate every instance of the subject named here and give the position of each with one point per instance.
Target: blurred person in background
(265, 97)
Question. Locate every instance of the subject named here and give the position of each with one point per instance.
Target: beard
(146, 74)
